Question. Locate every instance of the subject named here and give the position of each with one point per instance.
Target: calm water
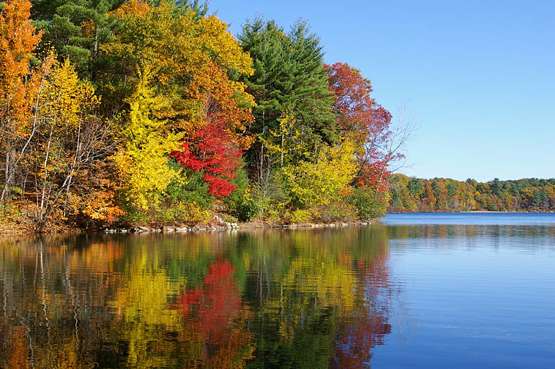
(420, 291)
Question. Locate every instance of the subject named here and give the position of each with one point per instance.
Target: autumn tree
(192, 106)
(69, 144)
(196, 59)
(310, 185)
(212, 151)
(19, 83)
(143, 157)
(353, 106)
(368, 123)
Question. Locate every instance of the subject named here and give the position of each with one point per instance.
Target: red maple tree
(212, 150)
(364, 121)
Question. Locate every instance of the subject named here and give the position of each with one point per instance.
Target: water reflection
(268, 300)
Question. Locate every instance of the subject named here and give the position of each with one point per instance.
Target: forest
(152, 112)
(441, 194)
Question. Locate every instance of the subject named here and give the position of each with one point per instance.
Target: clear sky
(475, 78)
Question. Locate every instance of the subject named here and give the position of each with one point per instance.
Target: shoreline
(231, 227)
(184, 229)
(18, 231)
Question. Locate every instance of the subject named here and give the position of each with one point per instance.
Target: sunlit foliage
(442, 194)
(146, 112)
(144, 159)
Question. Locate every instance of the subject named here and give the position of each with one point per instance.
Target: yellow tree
(68, 144)
(143, 159)
(195, 55)
(315, 184)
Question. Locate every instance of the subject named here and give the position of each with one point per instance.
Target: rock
(182, 229)
(168, 229)
(142, 229)
(218, 220)
(231, 226)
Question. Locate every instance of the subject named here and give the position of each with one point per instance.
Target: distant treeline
(443, 194)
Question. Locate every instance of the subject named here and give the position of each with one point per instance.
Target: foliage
(75, 29)
(62, 122)
(204, 107)
(353, 104)
(369, 202)
(293, 113)
(143, 161)
(151, 111)
(442, 194)
(309, 185)
(365, 122)
(212, 151)
(339, 211)
(243, 203)
(19, 84)
(195, 59)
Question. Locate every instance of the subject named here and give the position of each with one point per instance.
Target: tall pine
(294, 115)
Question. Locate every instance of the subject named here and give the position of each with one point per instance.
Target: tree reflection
(327, 303)
(268, 300)
(215, 328)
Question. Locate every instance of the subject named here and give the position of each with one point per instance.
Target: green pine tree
(75, 29)
(294, 117)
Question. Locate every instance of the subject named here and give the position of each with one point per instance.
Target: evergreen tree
(76, 29)
(294, 115)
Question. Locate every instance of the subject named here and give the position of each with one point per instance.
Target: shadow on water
(317, 299)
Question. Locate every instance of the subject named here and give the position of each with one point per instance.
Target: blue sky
(474, 78)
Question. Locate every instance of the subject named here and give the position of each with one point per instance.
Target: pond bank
(24, 232)
(229, 227)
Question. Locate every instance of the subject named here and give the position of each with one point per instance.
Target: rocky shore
(229, 227)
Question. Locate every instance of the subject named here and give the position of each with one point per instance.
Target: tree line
(442, 194)
(153, 112)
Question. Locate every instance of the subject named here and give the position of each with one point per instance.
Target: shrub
(337, 211)
(300, 216)
(369, 203)
(309, 184)
(242, 203)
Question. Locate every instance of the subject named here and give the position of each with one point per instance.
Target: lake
(417, 291)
